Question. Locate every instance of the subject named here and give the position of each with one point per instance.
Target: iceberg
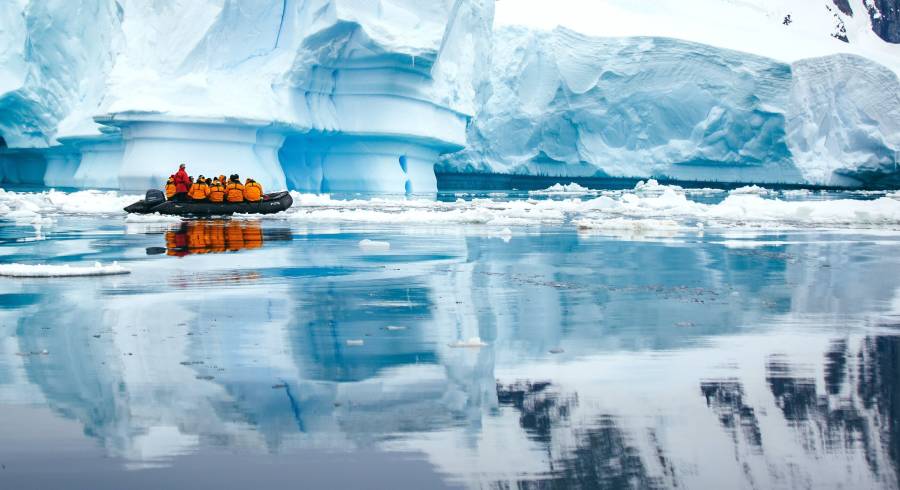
(308, 94)
(352, 95)
(566, 104)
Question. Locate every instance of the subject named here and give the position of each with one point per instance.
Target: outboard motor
(154, 197)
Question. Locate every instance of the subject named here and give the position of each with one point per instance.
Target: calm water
(253, 354)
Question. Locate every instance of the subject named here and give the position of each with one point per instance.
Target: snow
(564, 189)
(649, 205)
(49, 203)
(565, 104)
(41, 270)
(751, 26)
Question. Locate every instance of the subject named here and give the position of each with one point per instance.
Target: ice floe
(572, 189)
(31, 205)
(44, 270)
(648, 206)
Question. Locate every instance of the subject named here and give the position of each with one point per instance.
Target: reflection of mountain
(265, 365)
(726, 399)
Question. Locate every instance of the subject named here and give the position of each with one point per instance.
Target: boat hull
(271, 203)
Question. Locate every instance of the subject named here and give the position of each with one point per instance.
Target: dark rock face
(885, 16)
(844, 7)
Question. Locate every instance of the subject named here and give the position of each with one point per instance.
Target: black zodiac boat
(155, 202)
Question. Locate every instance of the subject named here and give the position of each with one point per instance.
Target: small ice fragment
(684, 324)
(44, 270)
(394, 328)
(367, 244)
(355, 342)
(474, 342)
(45, 352)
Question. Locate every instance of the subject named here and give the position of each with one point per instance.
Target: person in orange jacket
(217, 191)
(199, 190)
(253, 191)
(234, 191)
(170, 187)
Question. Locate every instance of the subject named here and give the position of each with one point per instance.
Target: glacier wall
(349, 95)
(228, 87)
(570, 105)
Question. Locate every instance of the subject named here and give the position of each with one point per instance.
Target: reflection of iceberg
(316, 94)
(279, 375)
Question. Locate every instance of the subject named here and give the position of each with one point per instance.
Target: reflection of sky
(691, 362)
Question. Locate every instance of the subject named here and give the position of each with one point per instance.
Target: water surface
(259, 353)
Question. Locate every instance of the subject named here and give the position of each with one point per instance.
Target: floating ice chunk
(42, 270)
(394, 328)
(631, 229)
(564, 189)
(355, 342)
(750, 189)
(17, 205)
(374, 245)
(472, 343)
(653, 186)
(152, 218)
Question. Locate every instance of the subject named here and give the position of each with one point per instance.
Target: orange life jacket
(234, 192)
(170, 188)
(199, 191)
(217, 192)
(253, 191)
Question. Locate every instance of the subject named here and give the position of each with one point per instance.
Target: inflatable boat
(155, 202)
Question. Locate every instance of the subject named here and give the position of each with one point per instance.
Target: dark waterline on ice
(260, 353)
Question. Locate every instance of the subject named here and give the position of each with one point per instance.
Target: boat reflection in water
(216, 236)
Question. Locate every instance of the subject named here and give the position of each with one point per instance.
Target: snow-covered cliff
(567, 104)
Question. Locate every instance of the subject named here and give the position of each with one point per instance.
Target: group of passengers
(183, 188)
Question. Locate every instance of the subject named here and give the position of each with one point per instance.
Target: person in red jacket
(182, 184)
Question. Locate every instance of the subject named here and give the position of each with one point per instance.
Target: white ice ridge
(44, 270)
(26, 205)
(648, 205)
(565, 104)
(652, 204)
